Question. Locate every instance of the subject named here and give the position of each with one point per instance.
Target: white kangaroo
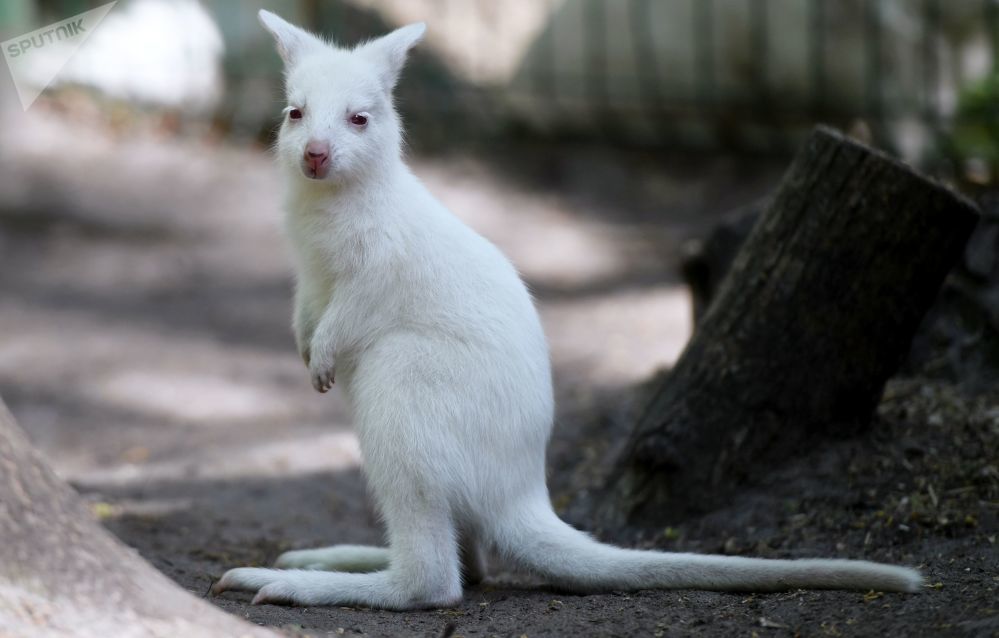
(438, 348)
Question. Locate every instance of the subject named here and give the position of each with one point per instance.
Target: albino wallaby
(439, 350)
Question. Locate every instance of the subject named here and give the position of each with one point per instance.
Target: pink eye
(357, 119)
(294, 114)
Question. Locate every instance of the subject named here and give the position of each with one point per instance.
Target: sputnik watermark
(58, 34)
(35, 58)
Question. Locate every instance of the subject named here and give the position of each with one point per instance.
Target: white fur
(437, 346)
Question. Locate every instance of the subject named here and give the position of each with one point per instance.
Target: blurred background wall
(595, 141)
(145, 291)
(918, 77)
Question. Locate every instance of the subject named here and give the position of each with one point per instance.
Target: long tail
(536, 539)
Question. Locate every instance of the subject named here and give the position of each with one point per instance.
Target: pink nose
(316, 156)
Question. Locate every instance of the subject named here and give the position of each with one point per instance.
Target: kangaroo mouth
(316, 171)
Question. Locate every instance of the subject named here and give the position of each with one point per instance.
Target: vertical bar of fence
(485, 80)
(69, 8)
(544, 87)
(311, 14)
(991, 12)
(704, 58)
(931, 72)
(595, 53)
(647, 65)
(478, 65)
(817, 57)
(758, 35)
(991, 110)
(761, 100)
(875, 71)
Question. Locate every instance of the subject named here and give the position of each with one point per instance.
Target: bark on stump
(62, 574)
(818, 310)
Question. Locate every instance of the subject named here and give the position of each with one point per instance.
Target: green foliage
(976, 123)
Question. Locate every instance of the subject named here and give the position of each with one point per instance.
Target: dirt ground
(144, 304)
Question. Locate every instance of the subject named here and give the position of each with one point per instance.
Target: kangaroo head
(339, 123)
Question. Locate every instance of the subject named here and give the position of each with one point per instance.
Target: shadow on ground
(148, 290)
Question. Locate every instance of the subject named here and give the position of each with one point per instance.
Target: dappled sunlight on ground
(620, 337)
(145, 298)
(148, 285)
(196, 398)
(310, 449)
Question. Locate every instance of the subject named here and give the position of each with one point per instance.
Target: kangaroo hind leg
(336, 558)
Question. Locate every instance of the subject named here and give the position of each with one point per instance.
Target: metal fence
(919, 76)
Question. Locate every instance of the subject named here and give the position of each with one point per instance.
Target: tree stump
(818, 310)
(62, 574)
(705, 262)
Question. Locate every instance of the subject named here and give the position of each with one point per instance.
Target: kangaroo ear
(389, 51)
(291, 41)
